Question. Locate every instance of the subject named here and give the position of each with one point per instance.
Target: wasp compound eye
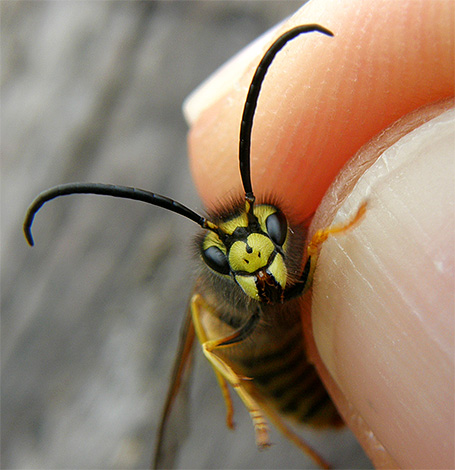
(277, 227)
(216, 260)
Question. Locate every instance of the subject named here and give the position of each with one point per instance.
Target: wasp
(255, 266)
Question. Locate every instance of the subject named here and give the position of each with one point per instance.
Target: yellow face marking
(248, 284)
(230, 225)
(212, 239)
(252, 255)
(278, 270)
(262, 211)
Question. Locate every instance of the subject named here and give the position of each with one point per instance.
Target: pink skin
(382, 305)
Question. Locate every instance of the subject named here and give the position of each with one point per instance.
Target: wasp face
(250, 248)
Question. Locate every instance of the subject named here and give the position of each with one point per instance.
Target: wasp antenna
(124, 192)
(252, 99)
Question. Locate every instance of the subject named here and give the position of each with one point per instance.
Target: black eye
(216, 259)
(277, 227)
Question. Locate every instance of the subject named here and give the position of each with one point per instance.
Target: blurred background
(92, 91)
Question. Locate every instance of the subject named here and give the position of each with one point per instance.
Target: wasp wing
(172, 426)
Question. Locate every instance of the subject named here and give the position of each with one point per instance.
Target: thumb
(383, 301)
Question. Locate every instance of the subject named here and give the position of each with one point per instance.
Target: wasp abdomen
(282, 376)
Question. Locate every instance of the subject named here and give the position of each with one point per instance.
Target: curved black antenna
(110, 190)
(252, 99)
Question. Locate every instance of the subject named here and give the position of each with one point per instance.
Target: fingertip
(382, 296)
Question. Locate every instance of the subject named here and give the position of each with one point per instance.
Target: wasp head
(249, 246)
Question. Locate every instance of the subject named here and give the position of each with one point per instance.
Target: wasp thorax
(250, 249)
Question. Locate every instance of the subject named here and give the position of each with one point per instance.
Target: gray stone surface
(92, 91)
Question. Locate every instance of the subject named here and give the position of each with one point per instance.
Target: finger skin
(382, 306)
(323, 99)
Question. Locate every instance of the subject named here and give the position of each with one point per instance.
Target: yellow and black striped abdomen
(282, 376)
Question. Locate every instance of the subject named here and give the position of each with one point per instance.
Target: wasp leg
(196, 303)
(321, 235)
(225, 373)
(306, 279)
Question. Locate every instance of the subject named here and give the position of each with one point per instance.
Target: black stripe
(265, 358)
(319, 402)
(296, 379)
(304, 387)
(288, 367)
